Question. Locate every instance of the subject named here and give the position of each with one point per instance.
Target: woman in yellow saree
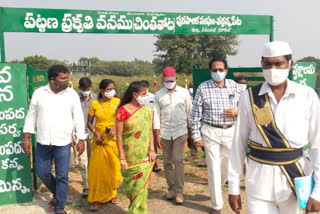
(135, 144)
(104, 172)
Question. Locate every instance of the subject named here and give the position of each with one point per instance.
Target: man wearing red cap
(171, 112)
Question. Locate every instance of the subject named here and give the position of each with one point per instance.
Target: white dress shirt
(171, 112)
(56, 116)
(297, 116)
(150, 100)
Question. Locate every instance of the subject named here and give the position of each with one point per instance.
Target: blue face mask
(218, 76)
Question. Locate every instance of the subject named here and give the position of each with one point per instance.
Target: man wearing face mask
(149, 101)
(242, 83)
(191, 145)
(213, 115)
(171, 112)
(277, 118)
(56, 111)
(86, 97)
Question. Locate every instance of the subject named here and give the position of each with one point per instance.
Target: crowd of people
(115, 140)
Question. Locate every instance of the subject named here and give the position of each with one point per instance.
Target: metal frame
(32, 73)
(32, 85)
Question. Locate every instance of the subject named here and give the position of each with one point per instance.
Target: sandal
(52, 203)
(95, 206)
(114, 200)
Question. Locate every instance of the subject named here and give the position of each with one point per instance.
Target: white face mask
(85, 93)
(110, 94)
(169, 85)
(275, 76)
(142, 100)
(218, 76)
(191, 90)
(242, 87)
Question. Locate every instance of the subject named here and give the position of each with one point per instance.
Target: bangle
(150, 150)
(93, 130)
(25, 142)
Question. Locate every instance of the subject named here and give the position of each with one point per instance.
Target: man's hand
(229, 113)
(235, 203)
(313, 205)
(198, 143)
(159, 141)
(26, 143)
(73, 141)
(80, 147)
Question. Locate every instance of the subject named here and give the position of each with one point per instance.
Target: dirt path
(196, 195)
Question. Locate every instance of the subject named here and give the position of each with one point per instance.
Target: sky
(295, 21)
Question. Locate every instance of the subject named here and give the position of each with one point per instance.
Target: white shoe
(179, 198)
(170, 195)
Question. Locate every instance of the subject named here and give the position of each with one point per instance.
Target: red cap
(169, 74)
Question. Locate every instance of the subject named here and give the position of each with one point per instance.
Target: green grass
(123, 82)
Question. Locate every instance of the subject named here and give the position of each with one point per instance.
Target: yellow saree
(104, 172)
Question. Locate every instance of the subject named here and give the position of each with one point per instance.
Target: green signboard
(15, 172)
(102, 21)
(304, 73)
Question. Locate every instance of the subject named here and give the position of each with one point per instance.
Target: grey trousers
(82, 161)
(173, 162)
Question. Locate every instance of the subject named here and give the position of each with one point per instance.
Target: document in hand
(304, 186)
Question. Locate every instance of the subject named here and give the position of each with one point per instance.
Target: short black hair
(85, 82)
(288, 57)
(239, 78)
(146, 82)
(54, 71)
(220, 60)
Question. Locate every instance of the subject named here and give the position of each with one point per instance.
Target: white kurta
(297, 116)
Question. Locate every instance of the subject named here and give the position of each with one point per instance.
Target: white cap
(276, 48)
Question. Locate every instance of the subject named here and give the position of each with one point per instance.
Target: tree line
(179, 51)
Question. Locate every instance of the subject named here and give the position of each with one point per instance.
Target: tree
(94, 60)
(38, 62)
(184, 51)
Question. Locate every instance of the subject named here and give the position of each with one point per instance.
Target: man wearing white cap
(277, 118)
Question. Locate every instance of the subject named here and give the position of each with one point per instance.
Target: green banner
(15, 172)
(102, 21)
(304, 73)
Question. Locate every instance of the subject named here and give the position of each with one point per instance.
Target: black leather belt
(219, 126)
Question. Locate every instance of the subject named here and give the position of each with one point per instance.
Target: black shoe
(85, 193)
(156, 169)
